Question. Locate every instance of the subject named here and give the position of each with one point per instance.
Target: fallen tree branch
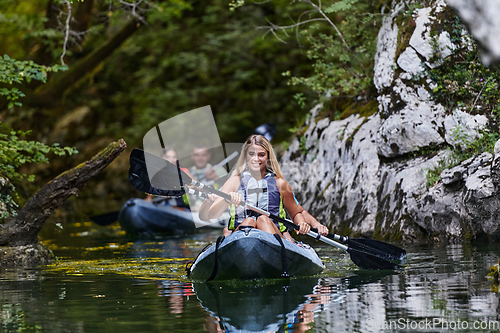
(23, 229)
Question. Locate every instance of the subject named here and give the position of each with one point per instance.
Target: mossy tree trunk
(48, 95)
(22, 231)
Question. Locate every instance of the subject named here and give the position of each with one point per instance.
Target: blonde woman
(257, 179)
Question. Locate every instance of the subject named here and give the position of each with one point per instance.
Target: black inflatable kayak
(254, 254)
(141, 217)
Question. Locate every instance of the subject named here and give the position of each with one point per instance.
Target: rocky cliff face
(481, 17)
(367, 176)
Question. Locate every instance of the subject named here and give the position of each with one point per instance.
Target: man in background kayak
(204, 172)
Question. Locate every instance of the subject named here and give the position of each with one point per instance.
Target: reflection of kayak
(255, 308)
(254, 254)
(141, 217)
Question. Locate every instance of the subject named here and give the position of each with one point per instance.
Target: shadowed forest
(82, 74)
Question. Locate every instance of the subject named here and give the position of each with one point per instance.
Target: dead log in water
(19, 244)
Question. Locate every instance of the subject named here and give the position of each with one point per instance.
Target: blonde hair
(272, 162)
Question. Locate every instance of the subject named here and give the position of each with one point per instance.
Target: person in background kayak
(257, 179)
(204, 172)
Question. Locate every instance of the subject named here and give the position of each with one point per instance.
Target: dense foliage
(343, 59)
(15, 151)
(158, 59)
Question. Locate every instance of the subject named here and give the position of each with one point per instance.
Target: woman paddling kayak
(258, 180)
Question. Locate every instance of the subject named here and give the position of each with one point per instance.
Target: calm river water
(104, 283)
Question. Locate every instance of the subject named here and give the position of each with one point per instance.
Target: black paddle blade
(165, 182)
(166, 171)
(143, 185)
(377, 248)
(368, 261)
(105, 219)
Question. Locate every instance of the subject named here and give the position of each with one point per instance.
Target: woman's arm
(314, 223)
(291, 205)
(205, 206)
(220, 204)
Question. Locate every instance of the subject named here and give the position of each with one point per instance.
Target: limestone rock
(481, 18)
(410, 62)
(356, 175)
(414, 127)
(5, 191)
(461, 127)
(495, 167)
(422, 41)
(386, 51)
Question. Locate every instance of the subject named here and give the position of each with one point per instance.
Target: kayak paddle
(170, 180)
(111, 217)
(106, 218)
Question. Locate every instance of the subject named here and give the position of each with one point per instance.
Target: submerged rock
(28, 255)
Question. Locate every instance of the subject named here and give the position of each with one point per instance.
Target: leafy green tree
(177, 56)
(185, 55)
(208, 56)
(340, 38)
(14, 150)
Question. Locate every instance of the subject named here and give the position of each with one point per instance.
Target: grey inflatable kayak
(254, 254)
(141, 217)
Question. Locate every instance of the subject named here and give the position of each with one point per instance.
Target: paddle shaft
(313, 232)
(383, 250)
(226, 160)
(358, 256)
(358, 249)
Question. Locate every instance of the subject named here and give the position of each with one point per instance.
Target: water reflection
(256, 307)
(97, 287)
(171, 247)
(176, 293)
(293, 305)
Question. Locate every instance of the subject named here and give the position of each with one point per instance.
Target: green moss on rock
(29, 255)
(363, 109)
